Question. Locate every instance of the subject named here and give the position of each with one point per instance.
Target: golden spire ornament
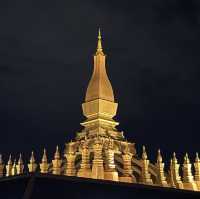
(44, 164)
(171, 175)
(14, 168)
(20, 165)
(197, 170)
(32, 165)
(188, 179)
(1, 166)
(99, 44)
(145, 175)
(175, 172)
(161, 179)
(9, 166)
(57, 162)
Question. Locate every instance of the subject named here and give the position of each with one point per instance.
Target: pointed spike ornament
(186, 159)
(9, 166)
(44, 163)
(32, 166)
(145, 175)
(174, 169)
(99, 44)
(57, 153)
(159, 157)
(161, 179)
(1, 166)
(171, 181)
(197, 170)
(14, 168)
(174, 160)
(20, 165)
(144, 154)
(57, 162)
(188, 179)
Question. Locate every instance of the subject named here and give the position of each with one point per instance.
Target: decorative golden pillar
(174, 167)
(161, 179)
(57, 162)
(44, 163)
(188, 179)
(110, 170)
(197, 171)
(1, 166)
(97, 163)
(127, 167)
(70, 156)
(20, 165)
(85, 170)
(9, 167)
(145, 175)
(32, 165)
(14, 168)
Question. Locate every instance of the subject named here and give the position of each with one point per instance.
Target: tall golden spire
(99, 85)
(99, 106)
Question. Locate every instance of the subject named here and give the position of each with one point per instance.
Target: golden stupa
(100, 151)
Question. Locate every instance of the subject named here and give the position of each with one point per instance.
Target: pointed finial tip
(99, 33)
(99, 45)
(197, 157)
(143, 148)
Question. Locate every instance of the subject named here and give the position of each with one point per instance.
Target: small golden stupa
(100, 151)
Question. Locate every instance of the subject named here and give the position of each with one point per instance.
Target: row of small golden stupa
(63, 166)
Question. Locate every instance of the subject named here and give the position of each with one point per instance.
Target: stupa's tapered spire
(99, 86)
(99, 106)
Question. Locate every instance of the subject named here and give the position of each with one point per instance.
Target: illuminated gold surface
(44, 163)
(100, 151)
(56, 162)
(20, 165)
(145, 175)
(174, 167)
(9, 167)
(161, 179)
(32, 165)
(188, 179)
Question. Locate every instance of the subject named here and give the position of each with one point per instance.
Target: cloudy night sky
(46, 60)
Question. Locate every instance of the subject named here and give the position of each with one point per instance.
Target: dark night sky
(152, 48)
